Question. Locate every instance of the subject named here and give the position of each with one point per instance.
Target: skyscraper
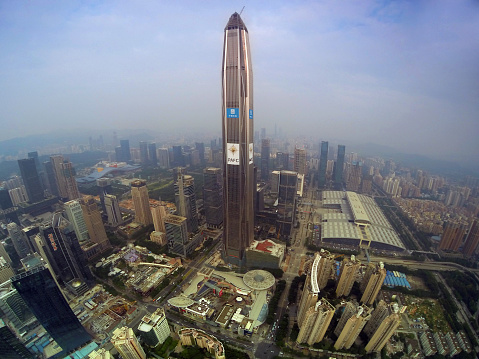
(141, 202)
(213, 196)
(385, 330)
(185, 198)
(339, 167)
(451, 238)
(104, 188)
(315, 323)
(350, 325)
(153, 158)
(74, 214)
(265, 152)
(288, 181)
(10, 346)
(125, 341)
(323, 163)
(154, 328)
(200, 146)
(176, 234)
(19, 240)
(300, 161)
(94, 223)
(31, 179)
(237, 118)
(144, 153)
(372, 282)
(113, 210)
(46, 301)
(124, 151)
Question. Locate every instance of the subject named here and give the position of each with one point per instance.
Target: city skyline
(401, 74)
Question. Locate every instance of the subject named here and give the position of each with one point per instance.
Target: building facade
(141, 202)
(125, 341)
(238, 152)
(323, 163)
(213, 196)
(372, 282)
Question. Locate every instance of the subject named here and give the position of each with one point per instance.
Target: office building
(237, 126)
(354, 177)
(74, 213)
(125, 341)
(265, 153)
(315, 322)
(452, 236)
(141, 202)
(200, 147)
(94, 223)
(282, 160)
(164, 157)
(124, 151)
(274, 187)
(6, 270)
(185, 198)
(213, 196)
(339, 167)
(31, 179)
(288, 181)
(178, 157)
(64, 253)
(18, 195)
(13, 307)
(19, 240)
(323, 163)
(104, 188)
(65, 178)
(176, 234)
(372, 282)
(348, 273)
(10, 345)
(385, 330)
(350, 325)
(158, 213)
(472, 239)
(153, 159)
(300, 161)
(154, 328)
(46, 301)
(143, 153)
(50, 179)
(113, 211)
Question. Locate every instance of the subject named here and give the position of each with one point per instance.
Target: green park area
(430, 310)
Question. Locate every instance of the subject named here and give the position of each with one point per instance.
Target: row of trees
(273, 303)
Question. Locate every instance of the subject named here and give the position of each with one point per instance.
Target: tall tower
(46, 301)
(10, 345)
(141, 202)
(372, 282)
(154, 328)
(213, 196)
(237, 118)
(315, 323)
(352, 327)
(323, 163)
(125, 341)
(113, 210)
(19, 240)
(158, 213)
(300, 161)
(144, 153)
(339, 166)
(288, 181)
(347, 275)
(74, 213)
(451, 238)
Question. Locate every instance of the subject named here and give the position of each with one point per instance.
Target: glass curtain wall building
(237, 117)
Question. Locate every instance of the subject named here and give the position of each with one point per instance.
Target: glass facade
(238, 115)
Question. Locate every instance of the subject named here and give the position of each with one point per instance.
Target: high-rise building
(6, 270)
(176, 234)
(237, 113)
(19, 240)
(200, 146)
(143, 153)
(353, 324)
(185, 198)
(46, 301)
(64, 253)
(372, 282)
(13, 307)
(213, 196)
(347, 275)
(94, 223)
(354, 177)
(10, 345)
(300, 161)
(125, 155)
(125, 341)
(158, 213)
(265, 153)
(452, 235)
(113, 211)
(380, 313)
(154, 328)
(104, 188)
(323, 163)
(339, 166)
(31, 179)
(164, 157)
(152, 154)
(472, 239)
(18, 195)
(178, 157)
(288, 181)
(65, 178)
(385, 330)
(141, 202)
(50, 180)
(315, 322)
(74, 213)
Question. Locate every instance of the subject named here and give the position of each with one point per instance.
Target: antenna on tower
(241, 11)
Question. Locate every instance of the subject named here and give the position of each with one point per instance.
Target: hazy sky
(399, 73)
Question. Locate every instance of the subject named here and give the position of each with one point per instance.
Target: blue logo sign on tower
(250, 114)
(232, 112)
